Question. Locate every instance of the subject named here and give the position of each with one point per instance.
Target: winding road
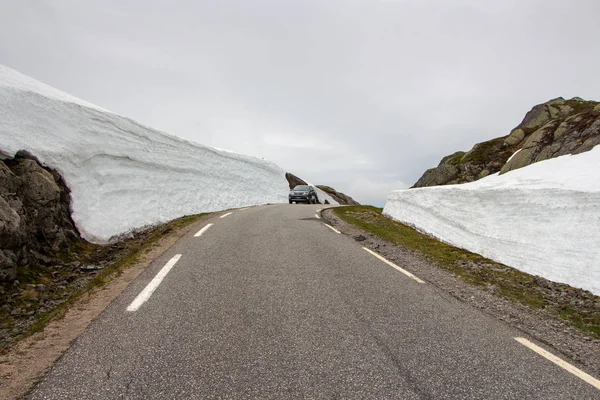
(271, 303)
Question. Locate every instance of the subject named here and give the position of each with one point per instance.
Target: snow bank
(543, 219)
(124, 175)
(324, 196)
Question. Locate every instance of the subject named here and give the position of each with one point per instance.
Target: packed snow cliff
(123, 175)
(543, 219)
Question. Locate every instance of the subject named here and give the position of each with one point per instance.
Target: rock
(535, 118)
(515, 137)
(340, 197)
(11, 231)
(35, 218)
(293, 180)
(39, 185)
(440, 175)
(561, 130)
(521, 159)
(483, 174)
(89, 268)
(16, 312)
(40, 257)
(8, 266)
(552, 129)
(360, 238)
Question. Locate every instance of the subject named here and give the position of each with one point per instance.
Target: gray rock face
(515, 137)
(34, 214)
(340, 197)
(555, 128)
(293, 180)
(440, 175)
(573, 135)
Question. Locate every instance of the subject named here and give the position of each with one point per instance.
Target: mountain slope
(540, 211)
(552, 129)
(123, 175)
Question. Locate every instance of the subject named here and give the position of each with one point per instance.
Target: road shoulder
(549, 330)
(25, 363)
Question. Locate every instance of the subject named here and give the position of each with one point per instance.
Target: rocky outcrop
(555, 128)
(293, 180)
(340, 197)
(35, 220)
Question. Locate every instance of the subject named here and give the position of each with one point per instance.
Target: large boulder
(340, 197)
(34, 214)
(293, 180)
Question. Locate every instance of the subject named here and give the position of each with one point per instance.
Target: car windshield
(301, 188)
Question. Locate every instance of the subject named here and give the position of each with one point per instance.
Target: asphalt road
(269, 303)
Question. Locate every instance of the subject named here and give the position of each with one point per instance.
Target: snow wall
(543, 219)
(124, 175)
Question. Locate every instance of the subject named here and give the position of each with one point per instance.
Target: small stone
(16, 312)
(89, 268)
(360, 238)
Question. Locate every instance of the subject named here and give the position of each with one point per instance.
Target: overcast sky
(360, 95)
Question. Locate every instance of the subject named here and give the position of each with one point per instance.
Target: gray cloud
(360, 95)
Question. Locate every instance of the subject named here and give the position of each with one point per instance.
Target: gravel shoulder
(578, 346)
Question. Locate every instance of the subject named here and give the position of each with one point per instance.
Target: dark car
(303, 194)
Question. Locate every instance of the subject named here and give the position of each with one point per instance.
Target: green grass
(489, 275)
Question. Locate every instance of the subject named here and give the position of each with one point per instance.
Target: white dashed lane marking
(405, 272)
(224, 215)
(151, 287)
(561, 363)
(317, 215)
(201, 231)
(332, 228)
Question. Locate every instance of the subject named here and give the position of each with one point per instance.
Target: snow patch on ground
(543, 219)
(122, 174)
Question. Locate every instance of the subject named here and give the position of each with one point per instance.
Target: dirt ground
(24, 364)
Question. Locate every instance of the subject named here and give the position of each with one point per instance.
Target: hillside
(552, 129)
(531, 199)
